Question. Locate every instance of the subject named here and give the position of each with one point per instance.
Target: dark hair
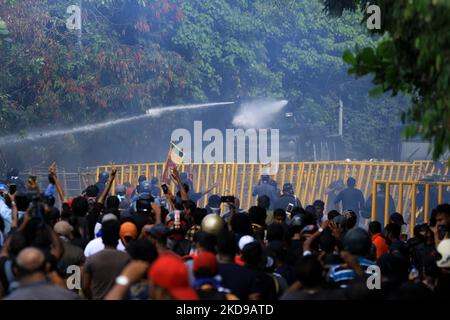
(279, 213)
(394, 267)
(275, 232)
(141, 249)
(198, 215)
(374, 227)
(309, 271)
(326, 241)
(258, 215)
(226, 245)
(351, 182)
(298, 210)
(241, 224)
(443, 209)
(22, 201)
(393, 229)
(263, 201)
(252, 255)
(352, 218)
(206, 240)
(17, 243)
(112, 202)
(80, 206)
(92, 191)
(333, 214)
(189, 205)
(110, 233)
(319, 203)
(433, 215)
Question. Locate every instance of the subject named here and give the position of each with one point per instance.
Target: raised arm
(14, 212)
(176, 177)
(53, 176)
(108, 186)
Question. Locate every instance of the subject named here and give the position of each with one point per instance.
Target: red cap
(206, 260)
(170, 273)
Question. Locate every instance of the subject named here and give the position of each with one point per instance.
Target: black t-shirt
(287, 272)
(140, 219)
(352, 199)
(240, 280)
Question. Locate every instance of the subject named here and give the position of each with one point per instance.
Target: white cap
(245, 240)
(444, 250)
(108, 217)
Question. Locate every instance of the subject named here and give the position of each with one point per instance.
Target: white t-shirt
(97, 245)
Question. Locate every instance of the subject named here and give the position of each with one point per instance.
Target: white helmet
(444, 250)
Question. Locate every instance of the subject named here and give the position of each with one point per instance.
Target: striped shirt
(341, 274)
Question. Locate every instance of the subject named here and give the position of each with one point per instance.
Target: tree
(412, 57)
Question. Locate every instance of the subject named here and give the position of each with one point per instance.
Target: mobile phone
(227, 199)
(165, 188)
(12, 188)
(289, 207)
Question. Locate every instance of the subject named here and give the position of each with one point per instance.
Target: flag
(174, 159)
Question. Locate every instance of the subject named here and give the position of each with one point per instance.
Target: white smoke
(257, 114)
(150, 113)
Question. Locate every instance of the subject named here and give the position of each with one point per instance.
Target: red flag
(174, 159)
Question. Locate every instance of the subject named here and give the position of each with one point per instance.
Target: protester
(171, 248)
(351, 197)
(30, 269)
(102, 268)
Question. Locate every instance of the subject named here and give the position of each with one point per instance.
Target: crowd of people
(144, 242)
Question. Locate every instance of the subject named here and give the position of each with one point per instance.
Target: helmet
(120, 189)
(103, 176)
(176, 222)
(444, 251)
(287, 188)
(184, 177)
(144, 187)
(213, 224)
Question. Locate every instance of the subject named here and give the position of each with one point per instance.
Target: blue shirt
(342, 274)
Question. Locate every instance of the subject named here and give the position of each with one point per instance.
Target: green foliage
(413, 58)
(135, 54)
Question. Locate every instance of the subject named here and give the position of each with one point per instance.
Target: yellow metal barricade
(310, 179)
(410, 205)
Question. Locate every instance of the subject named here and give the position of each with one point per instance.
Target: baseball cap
(170, 273)
(158, 231)
(207, 261)
(128, 230)
(108, 217)
(245, 240)
(63, 228)
(397, 218)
